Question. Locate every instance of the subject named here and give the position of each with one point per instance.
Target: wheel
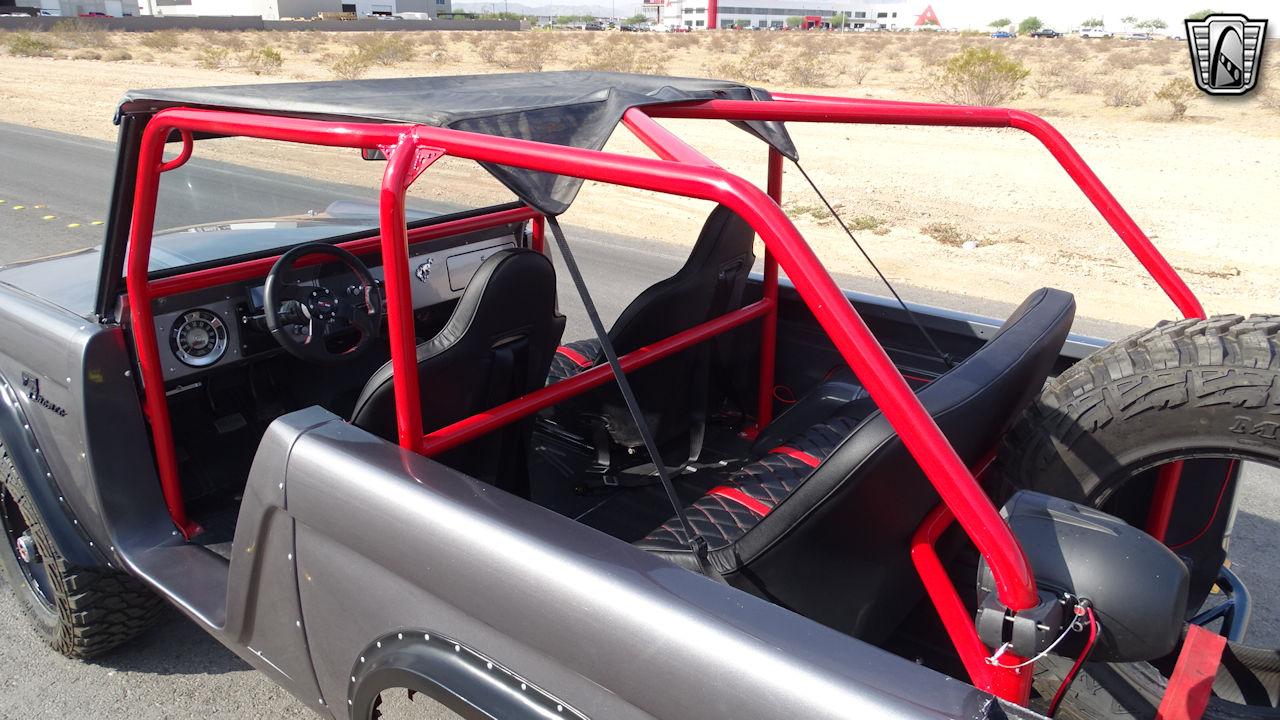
(81, 612)
(1203, 393)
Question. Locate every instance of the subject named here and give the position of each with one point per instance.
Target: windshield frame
(111, 275)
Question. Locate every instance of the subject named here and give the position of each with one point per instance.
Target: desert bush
(162, 40)
(80, 33)
(1123, 92)
(306, 43)
(858, 71)
(117, 55)
(224, 39)
(947, 234)
(1079, 81)
(1046, 85)
(529, 52)
(1123, 60)
(213, 57)
(981, 76)
(1177, 93)
(932, 54)
(811, 67)
(756, 66)
(620, 54)
(350, 66)
(87, 54)
(489, 50)
(262, 61)
(25, 44)
(386, 48)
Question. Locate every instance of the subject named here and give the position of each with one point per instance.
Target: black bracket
(1027, 632)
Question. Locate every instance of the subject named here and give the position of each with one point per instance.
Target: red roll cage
(680, 170)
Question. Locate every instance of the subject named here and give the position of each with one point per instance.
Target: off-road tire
(1194, 385)
(95, 609)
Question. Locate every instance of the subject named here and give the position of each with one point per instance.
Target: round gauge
(199, 338)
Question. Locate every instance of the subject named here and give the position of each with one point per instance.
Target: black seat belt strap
(697, 544)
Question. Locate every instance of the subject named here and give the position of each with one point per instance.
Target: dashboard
(221, 326)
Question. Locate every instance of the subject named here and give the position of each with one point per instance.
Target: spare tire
(1193, 389)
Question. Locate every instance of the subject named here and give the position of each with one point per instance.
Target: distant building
(72, 8)
(278, 9)
(700, 14)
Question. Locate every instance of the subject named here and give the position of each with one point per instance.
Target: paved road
(54, 188)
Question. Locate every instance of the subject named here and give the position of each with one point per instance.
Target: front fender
(28, 457)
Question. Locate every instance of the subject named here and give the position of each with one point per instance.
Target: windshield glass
(240, 195)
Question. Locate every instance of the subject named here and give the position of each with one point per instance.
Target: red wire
(1084, 654)
(1216, 507)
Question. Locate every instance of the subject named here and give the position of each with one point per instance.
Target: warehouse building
(281, 9)
(703, 14)
(72, 8)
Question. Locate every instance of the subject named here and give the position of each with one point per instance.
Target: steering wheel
(305, 319)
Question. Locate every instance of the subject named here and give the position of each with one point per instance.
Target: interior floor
(633, 502)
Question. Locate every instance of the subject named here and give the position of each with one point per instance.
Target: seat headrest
(512, 291)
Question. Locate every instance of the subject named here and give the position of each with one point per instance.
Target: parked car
(1046, 33)
(352, 444)
(1002, 34)
(1094, 33)
(1139, 36)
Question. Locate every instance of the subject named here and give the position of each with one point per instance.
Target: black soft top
(577, 109)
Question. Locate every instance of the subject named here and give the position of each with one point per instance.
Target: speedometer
(199, 338)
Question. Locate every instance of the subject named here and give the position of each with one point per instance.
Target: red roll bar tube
(808, 108)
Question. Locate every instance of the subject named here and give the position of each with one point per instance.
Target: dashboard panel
(217, 327)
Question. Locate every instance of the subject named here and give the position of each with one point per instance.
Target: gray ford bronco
(355, 442)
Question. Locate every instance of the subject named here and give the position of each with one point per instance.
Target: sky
(1064, 16)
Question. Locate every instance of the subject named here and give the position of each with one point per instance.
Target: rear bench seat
(820, 521)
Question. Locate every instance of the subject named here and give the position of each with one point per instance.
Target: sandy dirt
(974, 211)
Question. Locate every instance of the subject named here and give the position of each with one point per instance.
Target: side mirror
(372, 154)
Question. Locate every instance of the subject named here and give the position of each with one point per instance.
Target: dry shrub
(946, 233)
(161, 40)
(1123, 60)
(980, 76)
(262, 61)
(620, 54)
(306, 43)
(25, 44)
(117, 55)
(1178, 93)
(87, 54)
(528, 51)
(932, 54)
(214, 57)
(1079, 81)
(1123, 92)
(224, 39)
(1046, 85)
(489, 50)
(812, 66)
(354, 64)
(385, 48)
(80, 33)
(756, 66)
(858, 71)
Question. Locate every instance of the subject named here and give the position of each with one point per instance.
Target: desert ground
(982, 212)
